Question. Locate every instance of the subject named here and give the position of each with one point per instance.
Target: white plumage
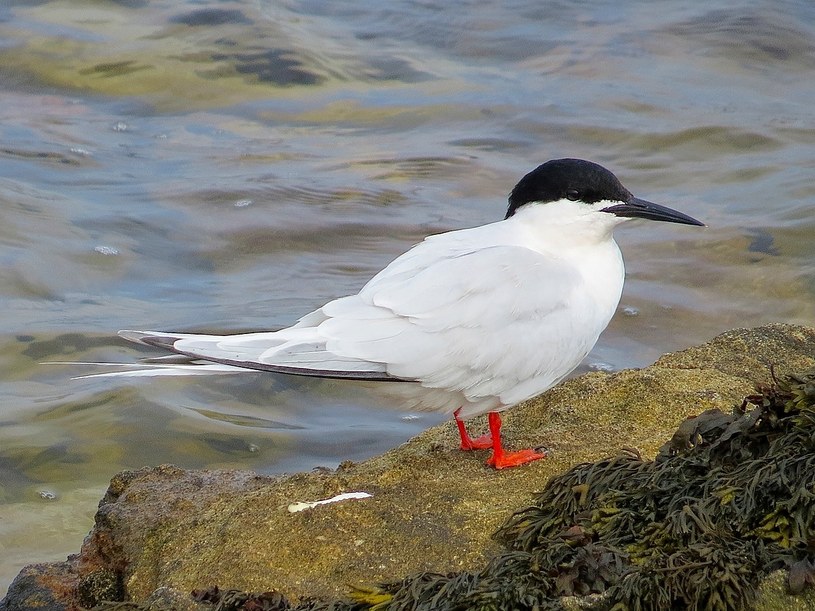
(493, 315)
(475, 320)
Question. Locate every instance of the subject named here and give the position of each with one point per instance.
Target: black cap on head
(573, 179)
(588, 182)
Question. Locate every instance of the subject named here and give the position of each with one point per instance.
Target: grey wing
(498, 321)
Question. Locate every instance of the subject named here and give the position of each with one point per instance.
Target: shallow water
(226, 166)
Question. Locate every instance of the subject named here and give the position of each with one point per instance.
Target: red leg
(468, 443)
(501, 459)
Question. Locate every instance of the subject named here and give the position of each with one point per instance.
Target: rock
(433, 508)
(168, 598)
(46, 587)
(98, 586)
(773, 595)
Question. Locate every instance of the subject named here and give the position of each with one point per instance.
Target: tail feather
(148, 370)
(157, 339)
(294, 351)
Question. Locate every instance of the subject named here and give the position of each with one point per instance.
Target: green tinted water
(230, 166)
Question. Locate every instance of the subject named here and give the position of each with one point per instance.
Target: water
(228, 166)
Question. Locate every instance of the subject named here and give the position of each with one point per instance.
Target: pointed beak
(643, 209)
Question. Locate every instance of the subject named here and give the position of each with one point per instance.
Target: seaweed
(232, 600)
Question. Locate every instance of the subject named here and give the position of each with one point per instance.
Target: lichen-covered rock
(774, 595)
(45, 587)
(433, 509)
(696, 528)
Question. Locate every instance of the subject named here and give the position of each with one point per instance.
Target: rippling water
(226, 166)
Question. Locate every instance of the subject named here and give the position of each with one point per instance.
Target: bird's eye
(572, 195)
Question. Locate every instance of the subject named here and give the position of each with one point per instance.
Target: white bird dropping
(302, 506)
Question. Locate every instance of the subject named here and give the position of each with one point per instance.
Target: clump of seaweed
(729, 499)
(232, 600)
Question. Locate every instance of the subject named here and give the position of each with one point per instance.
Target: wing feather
(469, 322)
(477, 318)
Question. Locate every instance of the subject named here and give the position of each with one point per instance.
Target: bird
(468, 322)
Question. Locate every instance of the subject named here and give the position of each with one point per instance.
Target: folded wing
(488, 324)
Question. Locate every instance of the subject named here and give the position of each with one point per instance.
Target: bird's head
(592, 188)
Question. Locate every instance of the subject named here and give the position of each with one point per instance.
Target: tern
(469, 322)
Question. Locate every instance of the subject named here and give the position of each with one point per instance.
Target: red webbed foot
(468, 443)
(501, 459)
(513, 459)
(479, 443)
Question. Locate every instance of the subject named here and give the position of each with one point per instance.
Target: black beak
(643, 209)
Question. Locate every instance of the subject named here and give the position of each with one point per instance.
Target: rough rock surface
(433, 507)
